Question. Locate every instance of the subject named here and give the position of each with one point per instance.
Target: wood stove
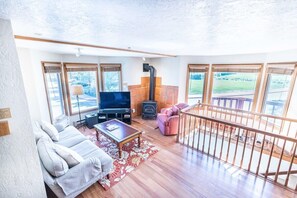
(149, 107)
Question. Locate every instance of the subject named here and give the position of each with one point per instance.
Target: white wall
(19, 163)
(30, 61)
(168, 69)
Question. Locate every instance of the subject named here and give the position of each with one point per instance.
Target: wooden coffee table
(121, 135)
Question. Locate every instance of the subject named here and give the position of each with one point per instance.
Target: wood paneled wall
(165, 95)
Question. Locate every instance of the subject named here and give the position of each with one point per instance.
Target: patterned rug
(132, 157)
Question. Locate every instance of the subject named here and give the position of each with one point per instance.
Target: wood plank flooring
(178, 171)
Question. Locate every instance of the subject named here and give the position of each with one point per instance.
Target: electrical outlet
(5, 113)
(133, 110)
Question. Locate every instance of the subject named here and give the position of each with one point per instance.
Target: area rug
(132, 157)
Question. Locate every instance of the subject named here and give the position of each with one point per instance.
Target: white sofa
(96, 163)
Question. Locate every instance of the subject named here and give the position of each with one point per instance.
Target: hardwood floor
(177, 171)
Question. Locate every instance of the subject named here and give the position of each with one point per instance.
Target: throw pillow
(181, 105)
(168, 112)
(51, 161)
(50, 130)
(38, 132)
(175, 110)
(71, 157)
(61, 123)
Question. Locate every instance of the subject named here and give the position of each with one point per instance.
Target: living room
(186, 65)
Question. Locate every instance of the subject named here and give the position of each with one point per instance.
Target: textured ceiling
(205, 27)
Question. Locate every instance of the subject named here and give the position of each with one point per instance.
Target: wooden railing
(262, 144)
(241, 103)
(233, 102)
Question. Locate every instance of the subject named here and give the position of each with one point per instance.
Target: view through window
(276, 95)
(195, 90)
(55, 94)
(235, 87)
(196, 81)
(111, 77)
(53, 85)
(88, 80)
(85, 75)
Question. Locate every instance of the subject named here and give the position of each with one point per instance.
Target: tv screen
(114, 100)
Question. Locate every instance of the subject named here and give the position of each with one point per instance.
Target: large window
(234, 86)
(196, 83)
(85, 75)
(278, 86)
(111, 77)
(52, 73)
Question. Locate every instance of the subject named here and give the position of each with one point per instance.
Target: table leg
(120, 150)
(139, 141)
(97, 135)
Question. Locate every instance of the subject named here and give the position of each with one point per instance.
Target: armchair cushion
(168, 112)
(175, 110)
(181, 105)
(162, 118)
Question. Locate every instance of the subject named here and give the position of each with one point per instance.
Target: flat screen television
(110, 100)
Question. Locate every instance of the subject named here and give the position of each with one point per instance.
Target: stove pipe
(152, 70)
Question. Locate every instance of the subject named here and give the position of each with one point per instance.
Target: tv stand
(122, 114)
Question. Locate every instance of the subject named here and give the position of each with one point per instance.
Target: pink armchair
(168, 119)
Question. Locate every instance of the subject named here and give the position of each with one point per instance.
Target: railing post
(179, 126)
(291, 163)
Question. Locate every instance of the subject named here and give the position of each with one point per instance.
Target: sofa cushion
(71, 157)
(61, 123)
(87, 149)
(70, 136)
(50, 130)
(52, 162)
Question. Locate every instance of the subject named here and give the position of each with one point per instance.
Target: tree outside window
(111, 77)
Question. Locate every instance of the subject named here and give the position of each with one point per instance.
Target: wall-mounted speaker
(146, 67)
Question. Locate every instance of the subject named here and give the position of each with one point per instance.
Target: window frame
(80, 67)
(45, 64)
(240, 68)
(204, 68)
(110, 65)
(278, 68)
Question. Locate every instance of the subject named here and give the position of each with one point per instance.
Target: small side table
(91, 120)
